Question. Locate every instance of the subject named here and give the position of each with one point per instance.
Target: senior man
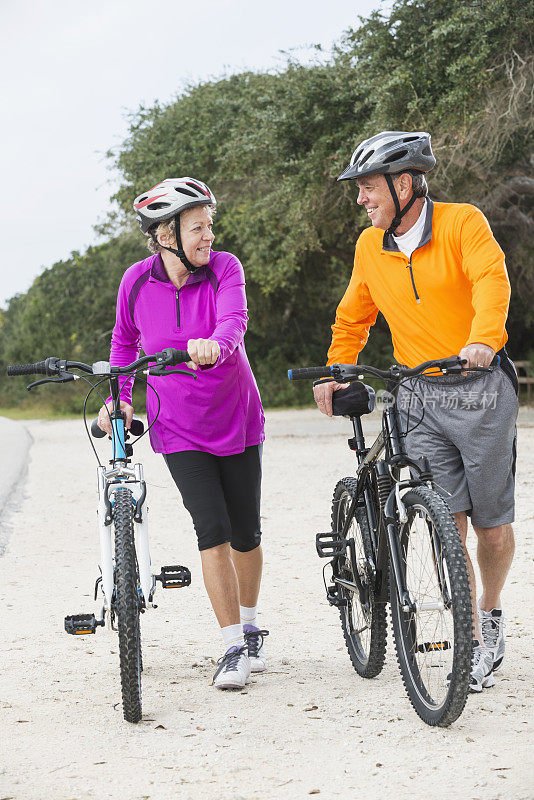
(438, 276)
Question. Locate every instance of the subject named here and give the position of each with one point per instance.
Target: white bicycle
(126, 581)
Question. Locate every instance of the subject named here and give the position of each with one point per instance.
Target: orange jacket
(452, 292)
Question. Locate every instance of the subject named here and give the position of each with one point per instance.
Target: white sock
(233, 635)
(249, 616)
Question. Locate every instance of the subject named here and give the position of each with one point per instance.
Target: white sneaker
(234, 669)
(481, 669)
(492, 625)
(254, 642)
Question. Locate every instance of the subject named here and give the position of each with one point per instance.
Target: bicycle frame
(374, 477)
(109, 480)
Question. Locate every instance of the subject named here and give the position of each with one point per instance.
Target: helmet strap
(398, 213)
(179, 252)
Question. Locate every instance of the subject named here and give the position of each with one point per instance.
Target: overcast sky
(71, 72)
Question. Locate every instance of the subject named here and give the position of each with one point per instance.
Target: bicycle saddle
(353, 401)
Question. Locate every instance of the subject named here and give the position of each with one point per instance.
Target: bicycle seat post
(357, 443)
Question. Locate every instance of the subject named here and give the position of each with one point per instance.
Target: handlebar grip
(176, 356)
(39, 368)
(309, 373)
(137, 427)
(97, 432)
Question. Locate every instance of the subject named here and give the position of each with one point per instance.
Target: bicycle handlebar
(348, 372)
(54, 366)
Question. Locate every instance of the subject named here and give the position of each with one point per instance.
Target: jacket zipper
(177, 309)
(409, 265)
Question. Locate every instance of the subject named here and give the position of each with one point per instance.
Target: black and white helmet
(170, 197)
(391, 152)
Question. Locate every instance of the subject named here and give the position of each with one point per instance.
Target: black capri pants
(222, 494)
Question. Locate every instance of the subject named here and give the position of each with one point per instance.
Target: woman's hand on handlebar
(202, 351)
(323, 395)
(104, 422)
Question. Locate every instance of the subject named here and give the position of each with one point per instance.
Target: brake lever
(457, 366)
(64, 377)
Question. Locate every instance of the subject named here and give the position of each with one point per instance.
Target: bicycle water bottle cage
(330, 544)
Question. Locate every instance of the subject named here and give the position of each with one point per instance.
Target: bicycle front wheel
(433, 635)
(363, 621)
(127, 605)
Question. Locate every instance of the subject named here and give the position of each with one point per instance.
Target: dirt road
(308, 726)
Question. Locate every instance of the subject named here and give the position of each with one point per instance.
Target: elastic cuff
(323, 380)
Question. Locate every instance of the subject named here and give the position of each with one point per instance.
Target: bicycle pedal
(429, 647)
(330, 544)
(332, 595)
(81, 624)
(174, 577)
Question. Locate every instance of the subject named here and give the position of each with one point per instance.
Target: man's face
(375, 196)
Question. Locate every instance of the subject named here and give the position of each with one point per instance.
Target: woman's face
(196, 230)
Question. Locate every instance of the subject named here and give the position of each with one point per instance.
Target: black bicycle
(394, 540)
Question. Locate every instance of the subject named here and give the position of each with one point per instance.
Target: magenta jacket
(221, 411)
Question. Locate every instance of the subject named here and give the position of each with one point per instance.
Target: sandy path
(62, 732)
(15, 444)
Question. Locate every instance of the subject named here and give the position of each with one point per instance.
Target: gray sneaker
(481, 669)
(492, 625)
(233, 671)
(254, 640)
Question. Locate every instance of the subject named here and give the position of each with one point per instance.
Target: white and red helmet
(169, 198)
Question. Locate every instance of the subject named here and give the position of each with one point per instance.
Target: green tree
(271, 146)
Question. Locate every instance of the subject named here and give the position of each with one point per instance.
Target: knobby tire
(127, 605)
(437, 684)
(367, 649)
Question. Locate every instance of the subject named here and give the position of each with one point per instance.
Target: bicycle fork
(394, 516)
(108, 483)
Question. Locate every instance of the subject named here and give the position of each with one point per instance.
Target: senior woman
(210, 430)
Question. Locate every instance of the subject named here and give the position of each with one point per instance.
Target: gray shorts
(468, 433)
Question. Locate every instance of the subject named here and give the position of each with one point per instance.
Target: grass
(45, 412)
(35, 412)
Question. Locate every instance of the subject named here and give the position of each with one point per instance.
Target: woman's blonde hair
(168, 228)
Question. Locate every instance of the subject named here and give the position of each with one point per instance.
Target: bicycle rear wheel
(364, 623)
(127, 605)
(433, 638)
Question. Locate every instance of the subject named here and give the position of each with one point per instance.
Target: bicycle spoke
(431, 626)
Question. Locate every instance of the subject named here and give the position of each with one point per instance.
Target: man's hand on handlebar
(323, 395)
(104, 422)
(477, 355)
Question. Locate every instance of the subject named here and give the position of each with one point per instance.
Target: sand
(308, 726)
